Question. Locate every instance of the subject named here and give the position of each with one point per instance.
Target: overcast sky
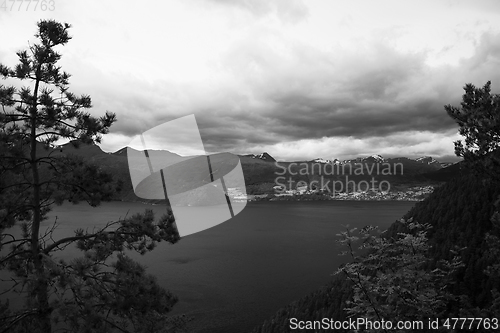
(298, 79)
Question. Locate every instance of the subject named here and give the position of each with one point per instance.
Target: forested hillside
(460, 214)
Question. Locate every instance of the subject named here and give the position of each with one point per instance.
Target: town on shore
(416, 193)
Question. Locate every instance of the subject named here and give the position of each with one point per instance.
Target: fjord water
(233, 276)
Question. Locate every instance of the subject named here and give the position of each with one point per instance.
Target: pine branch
(18, 319)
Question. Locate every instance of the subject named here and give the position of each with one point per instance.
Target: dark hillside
(445, 174)
(327, 302)
(460, 214)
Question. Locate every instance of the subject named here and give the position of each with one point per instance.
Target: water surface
(233, 276)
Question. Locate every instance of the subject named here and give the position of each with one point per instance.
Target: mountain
(323, 161)
(263, 156)
(411, 166)
(374, 159)
(370, 159)
(152, 153)
(94, 152)
(427, 160)
(447, 164)
(446, 173)
(74, 147)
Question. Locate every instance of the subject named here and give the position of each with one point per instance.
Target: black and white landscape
(343, 157)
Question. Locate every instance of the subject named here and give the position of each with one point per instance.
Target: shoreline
(290, 199)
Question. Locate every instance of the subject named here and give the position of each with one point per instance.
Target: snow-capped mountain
(263, 156)
(324, 161)
(427, 160)
(370, 159)
(374, 158)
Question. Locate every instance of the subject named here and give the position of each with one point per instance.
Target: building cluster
(236, 194)
(411, 194)
(416, 193)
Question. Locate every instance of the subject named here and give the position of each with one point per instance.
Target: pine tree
(479, 122)
(87, 294)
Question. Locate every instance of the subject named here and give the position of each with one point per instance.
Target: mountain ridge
(265, 156)
(261, 171)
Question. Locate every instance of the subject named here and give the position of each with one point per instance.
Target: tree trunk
(40, 283)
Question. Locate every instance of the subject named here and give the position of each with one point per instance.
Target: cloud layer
(297, 79)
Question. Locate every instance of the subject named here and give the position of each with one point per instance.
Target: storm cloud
(297, 79)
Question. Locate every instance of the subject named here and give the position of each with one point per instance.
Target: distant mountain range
(261, 171)
(428, 160)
